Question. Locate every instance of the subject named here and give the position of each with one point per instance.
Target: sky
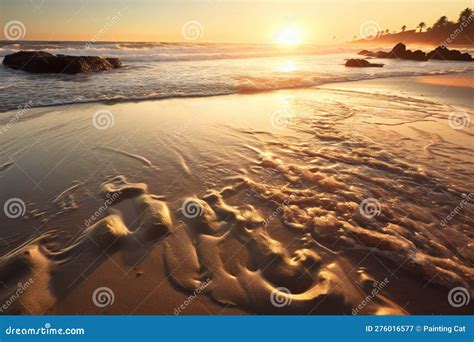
(232, 21)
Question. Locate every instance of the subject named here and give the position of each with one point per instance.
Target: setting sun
(288, 36)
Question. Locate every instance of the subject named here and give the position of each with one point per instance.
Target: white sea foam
(165, 70)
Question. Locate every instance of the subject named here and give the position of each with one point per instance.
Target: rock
(399, 51)
(443, 53)
(378, 54)
(417, 55)
(361, 63)
(365, 53)
(44, 62)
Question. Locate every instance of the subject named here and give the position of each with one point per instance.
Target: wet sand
(288, 202)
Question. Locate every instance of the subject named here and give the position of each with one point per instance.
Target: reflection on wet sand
(293, 202)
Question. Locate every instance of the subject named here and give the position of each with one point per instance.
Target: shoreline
(377, 81)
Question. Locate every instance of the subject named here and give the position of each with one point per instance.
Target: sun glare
(288, 36)
(287, 66)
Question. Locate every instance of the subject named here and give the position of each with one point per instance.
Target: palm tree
(421, 25)
(387, 31)
(404, 27)
(441, 22)
(465, 15)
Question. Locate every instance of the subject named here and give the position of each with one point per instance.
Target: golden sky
(234, 21)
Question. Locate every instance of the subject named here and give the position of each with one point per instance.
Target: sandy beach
(311, 198)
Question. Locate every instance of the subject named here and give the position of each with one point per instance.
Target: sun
(288, 36)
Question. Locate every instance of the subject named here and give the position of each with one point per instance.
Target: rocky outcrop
(362, 63)
(443, 53)
(400, 51)
(44, 62)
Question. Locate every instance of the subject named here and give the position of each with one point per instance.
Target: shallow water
(166, 70)
(306, 198)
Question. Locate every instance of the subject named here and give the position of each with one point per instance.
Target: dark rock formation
(361, 63)
(443, 53)
(400, 51)
(44, 62)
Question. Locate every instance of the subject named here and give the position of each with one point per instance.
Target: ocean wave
(192, 70)
(250, 84)
(242, 85)
(148, 52)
